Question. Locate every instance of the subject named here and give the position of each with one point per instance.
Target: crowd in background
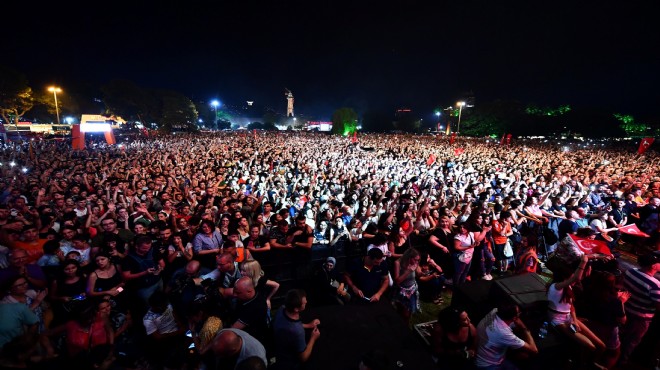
(150, 253)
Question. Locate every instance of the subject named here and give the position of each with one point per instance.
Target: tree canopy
(344, 121)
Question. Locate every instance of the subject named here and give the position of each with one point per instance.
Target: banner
(508, 139)
(110, 138)
(77, 137)
(645, 144)
(632, 229)
(589, 246)
(31, 151)
(452, 138)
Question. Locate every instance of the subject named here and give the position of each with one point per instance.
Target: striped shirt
(644, 294)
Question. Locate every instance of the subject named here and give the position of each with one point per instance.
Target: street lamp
(460, 105)
(55, 90)
(215, 104)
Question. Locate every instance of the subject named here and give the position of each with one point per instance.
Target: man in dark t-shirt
(252, 310)
(368, 279)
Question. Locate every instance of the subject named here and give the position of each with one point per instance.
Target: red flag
(77, 137)
(589, 246)
(508, 139)
(272, 164)
(110, 138)
(145, 132)
(645, 144)
(255, 134)
(431, 159)
(458, 151)
(632, 229)
(502, 141)
(452, 138)
(354, 139)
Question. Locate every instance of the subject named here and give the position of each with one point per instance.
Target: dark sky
(366, 55)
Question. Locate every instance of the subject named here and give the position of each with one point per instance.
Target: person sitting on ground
(562, 315)
(495, 337)
(431, 280)
(454, 339)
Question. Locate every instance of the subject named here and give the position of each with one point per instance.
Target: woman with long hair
(562, 315)
(442, 244)
(265, 286)
(406, 295)
(68, 289)
(106, 279)
(603, 307)
(208, 241)
(464, 243)
(454, 339)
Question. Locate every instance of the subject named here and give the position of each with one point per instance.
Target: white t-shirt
(466, 241)
(495, 337)
(162, 323)
(559, 312)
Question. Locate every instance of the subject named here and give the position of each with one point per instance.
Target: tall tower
(289, 99)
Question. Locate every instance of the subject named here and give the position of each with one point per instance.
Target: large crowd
(149, 254)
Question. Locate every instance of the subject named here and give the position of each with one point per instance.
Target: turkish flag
(502, 141)
(77, 137)
(431, 159)
(632, 229)
(589, 246)
(354, 140)
(508, 139)
(458, 151)
(452, 138)
(645, 144)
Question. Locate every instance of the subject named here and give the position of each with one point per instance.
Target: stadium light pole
(55, 90)
(215, 104)
(460, 104)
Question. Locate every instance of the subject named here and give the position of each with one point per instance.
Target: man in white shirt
(496, 337)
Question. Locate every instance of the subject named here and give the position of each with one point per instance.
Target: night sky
(365, 55)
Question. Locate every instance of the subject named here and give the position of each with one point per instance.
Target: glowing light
(24, 169)
(68, 120)
(95, 127)
(12, 163)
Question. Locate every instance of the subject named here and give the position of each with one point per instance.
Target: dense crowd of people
(149, 254)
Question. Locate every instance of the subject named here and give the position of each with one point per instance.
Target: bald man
(252, 310)
(233, 346)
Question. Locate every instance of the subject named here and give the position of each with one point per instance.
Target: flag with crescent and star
(591, 246)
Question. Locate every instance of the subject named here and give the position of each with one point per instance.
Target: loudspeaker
(473, 297)
(526, 290)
